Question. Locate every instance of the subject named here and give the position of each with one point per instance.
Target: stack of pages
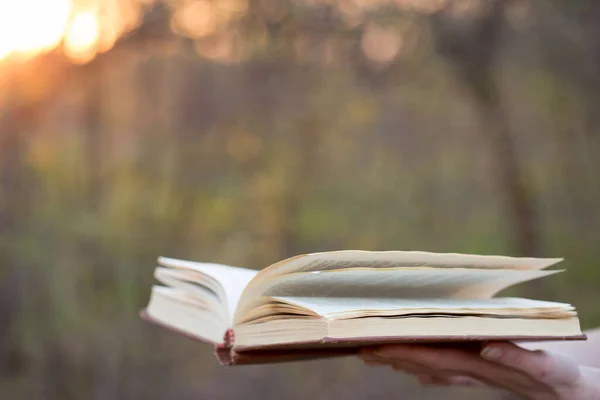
(333, 303)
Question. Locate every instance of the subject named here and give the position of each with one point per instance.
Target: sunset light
(82, 36)
(31, 26)
(83, 28)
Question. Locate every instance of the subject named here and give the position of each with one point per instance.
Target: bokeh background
(246, 131)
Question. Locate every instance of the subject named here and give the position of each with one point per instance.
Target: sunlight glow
(195, 19)
(31, 26)
(82, 37)
(84, 28)
(381, 45)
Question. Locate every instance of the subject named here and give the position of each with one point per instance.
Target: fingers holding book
(531, 374)
(426, 375)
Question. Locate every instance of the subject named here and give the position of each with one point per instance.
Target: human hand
(535, 375)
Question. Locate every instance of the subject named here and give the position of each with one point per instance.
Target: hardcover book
(332, 304)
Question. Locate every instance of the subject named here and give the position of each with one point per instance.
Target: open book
(333, 303)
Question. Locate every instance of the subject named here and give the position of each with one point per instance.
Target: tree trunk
(471, 45)
(513, 184)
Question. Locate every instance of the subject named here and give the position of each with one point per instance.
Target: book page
(340, 308)
(384, 283)
(232, 280)
(333, 260)
(175, 309)
(198, 286)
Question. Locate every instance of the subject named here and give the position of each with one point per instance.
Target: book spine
(224, 356)
(224, 351)
(228, 340)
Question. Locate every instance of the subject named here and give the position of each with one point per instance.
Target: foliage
(306, 139)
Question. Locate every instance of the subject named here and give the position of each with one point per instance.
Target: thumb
(546, 367)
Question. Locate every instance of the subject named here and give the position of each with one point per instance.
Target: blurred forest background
(246, 131)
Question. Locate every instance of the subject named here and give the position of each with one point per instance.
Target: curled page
(417, 283)
(333, 260)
